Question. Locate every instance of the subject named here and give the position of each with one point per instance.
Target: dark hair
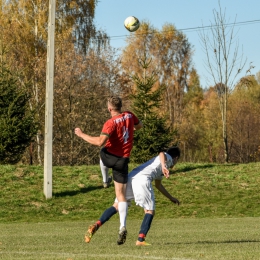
(174, 151)
(115, 102)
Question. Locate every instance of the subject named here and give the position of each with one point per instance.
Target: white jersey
(151, 169)
(139, 184)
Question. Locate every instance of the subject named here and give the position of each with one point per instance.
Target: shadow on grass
(76, 192)
(218, 242)
(229, 241)
(195, 167)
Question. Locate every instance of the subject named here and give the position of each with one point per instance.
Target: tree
(24, 26)
(223, 64)
(146, 105)
(17, 125)
(211, 125)
(82, 83)
(191, 128)
(77, 17)
(258, 77)
(244, 123)
(171, 53)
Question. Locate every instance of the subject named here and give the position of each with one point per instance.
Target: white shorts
(141, 191)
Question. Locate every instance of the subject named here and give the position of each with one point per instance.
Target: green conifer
(16, 120)
(146, 102)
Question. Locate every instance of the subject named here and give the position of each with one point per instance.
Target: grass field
(182, 239)
(219, 215)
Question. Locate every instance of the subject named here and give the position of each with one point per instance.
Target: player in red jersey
(117, 138)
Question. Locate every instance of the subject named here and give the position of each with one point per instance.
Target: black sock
(107, 214)
(146, 224)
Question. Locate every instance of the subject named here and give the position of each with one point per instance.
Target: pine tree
(146, 103)
(16, 120)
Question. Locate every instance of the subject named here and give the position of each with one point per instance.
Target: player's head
(114, 103)
(175, 153)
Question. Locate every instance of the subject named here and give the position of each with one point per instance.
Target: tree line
(154, 75)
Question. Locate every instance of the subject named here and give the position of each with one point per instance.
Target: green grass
(205, 190)
(176, 239)
(219, 215)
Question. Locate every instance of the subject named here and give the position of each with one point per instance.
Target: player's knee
(120, 190)
(115, 205)
(121, 197)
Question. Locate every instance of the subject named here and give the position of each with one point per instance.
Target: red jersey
(120, 130)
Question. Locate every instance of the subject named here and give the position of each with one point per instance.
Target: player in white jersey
(139, 188)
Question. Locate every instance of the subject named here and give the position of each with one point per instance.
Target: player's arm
(95, 140)
(138, 126)
(165, 171)
(161, 188)
(137, 123)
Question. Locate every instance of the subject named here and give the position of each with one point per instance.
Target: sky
(186, 15)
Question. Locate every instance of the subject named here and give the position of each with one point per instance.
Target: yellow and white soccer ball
(131, 23)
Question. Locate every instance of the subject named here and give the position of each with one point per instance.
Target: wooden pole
(49, 102)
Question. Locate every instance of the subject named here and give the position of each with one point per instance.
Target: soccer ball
(131, 23)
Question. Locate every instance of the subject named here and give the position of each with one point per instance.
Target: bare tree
(223, 62)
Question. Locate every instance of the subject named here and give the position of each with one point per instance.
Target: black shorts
(118, 164)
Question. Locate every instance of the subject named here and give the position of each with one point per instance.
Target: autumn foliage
(88, 70)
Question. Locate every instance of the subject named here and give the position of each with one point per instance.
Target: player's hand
(176, 201)
(165, 171)
(78, 132)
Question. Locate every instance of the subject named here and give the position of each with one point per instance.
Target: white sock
(122, 210)
(104, 171)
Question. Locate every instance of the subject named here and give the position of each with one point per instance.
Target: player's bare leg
(120, 190)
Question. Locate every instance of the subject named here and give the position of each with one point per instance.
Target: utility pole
(1, 43)
(49, 102)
